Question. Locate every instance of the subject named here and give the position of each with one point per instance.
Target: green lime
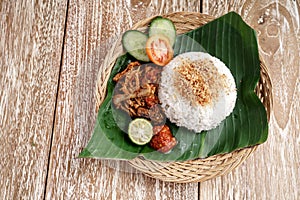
(140, 131)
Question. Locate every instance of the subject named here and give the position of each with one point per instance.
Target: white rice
(187, 112)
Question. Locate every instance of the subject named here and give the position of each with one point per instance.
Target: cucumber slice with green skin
(164, 26)
(135, 44)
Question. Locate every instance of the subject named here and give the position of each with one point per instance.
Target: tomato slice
(159, 49)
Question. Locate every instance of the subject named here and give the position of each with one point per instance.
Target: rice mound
(197, 91)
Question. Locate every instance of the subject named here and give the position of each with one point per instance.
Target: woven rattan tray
(198, 170)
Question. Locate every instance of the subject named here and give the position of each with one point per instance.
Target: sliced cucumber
(164, 26)
(135, 44)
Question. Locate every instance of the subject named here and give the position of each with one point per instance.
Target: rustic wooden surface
(50, 54)
(31, 40)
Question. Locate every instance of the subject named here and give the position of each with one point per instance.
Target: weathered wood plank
(31, 36)
(273, 171)
(92, 27)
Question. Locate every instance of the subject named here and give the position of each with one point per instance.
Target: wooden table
(50, 53)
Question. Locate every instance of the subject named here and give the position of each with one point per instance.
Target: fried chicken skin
(137, 91)
(163, 140)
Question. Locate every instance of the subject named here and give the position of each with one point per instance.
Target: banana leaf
(231, 40)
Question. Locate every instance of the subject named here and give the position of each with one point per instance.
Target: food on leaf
(140, 131)
(159, 49)
(163, 26)
(129, 67)
(136, 92)
(197, 91)
(135, 43)
(237, 47)
(163, 140)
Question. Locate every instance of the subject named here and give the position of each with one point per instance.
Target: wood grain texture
(273, 172)
(31, 36)
(31, 39)
(92, 27)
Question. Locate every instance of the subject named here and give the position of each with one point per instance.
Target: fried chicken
(163, 140)
(136, 92)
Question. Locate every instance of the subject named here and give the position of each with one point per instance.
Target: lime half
(140, 131)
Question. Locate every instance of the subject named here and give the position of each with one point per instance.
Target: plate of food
(183, 97)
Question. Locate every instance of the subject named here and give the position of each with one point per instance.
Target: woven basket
(198, 170)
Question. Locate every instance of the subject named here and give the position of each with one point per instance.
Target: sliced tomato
(159, 49)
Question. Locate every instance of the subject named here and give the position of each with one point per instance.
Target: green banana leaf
(231, 40)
